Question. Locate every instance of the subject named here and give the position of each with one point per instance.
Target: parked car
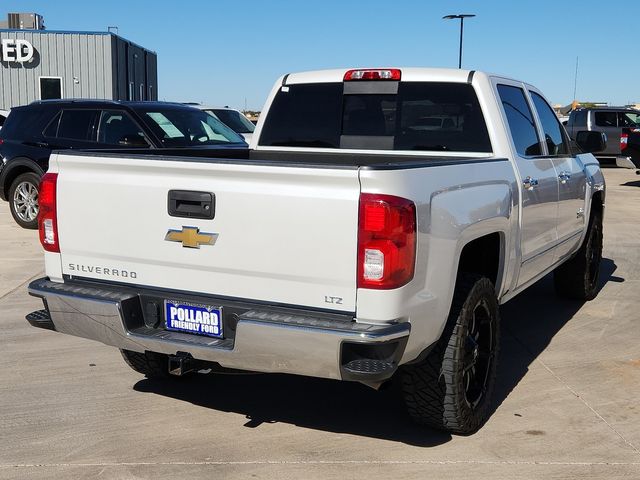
(232, 118)
(3, 116)
(621, 126)
(348, 246)
(33, 131)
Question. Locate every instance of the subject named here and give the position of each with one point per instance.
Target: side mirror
(133, 141)
(591, 142)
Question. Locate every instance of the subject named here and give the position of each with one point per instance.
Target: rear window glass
(305, 116)
(425, 116)
(25, 123)
(440, 116)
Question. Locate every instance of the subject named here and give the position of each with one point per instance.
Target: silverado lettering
(74, 267)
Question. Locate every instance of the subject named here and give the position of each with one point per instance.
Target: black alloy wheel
(479, 350)
(451, 389)
(578, 277)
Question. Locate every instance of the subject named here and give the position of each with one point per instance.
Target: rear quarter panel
(455, 204)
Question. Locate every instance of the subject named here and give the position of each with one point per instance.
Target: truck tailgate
(284, 235)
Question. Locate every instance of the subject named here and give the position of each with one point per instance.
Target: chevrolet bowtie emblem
(191, 237)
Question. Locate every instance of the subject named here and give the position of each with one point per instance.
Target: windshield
(233, 119)
(188, 127)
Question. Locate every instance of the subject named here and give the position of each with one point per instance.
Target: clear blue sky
(221, 52)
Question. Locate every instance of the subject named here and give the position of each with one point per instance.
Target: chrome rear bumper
(267, 339)
(625, 162)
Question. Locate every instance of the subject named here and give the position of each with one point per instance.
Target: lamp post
(461, 16)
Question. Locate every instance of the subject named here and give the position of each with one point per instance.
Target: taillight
(373, 74)
(47, 216)
(624, 140)
(386, 241)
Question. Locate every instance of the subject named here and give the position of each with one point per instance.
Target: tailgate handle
(188, 204)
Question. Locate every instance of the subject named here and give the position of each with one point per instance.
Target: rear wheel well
(13, 174)
(482, 256)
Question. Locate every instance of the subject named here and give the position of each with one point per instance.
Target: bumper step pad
(370, 367)
(40, 319)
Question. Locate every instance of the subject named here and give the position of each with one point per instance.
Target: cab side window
(606, 119)
(520, 119)
(553, 134)
(117, 128)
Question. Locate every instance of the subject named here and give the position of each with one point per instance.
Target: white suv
(232, 118)
(3, 116)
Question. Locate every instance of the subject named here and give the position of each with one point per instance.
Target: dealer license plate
(193, 318)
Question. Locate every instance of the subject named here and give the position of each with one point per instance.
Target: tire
(451, 389)
(23, 200)
(150, 364)
(578, 277)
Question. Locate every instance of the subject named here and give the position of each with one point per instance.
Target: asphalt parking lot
(566, 404)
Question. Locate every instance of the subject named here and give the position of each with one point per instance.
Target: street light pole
(461, 16)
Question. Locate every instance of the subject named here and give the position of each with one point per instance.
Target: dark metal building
(24, 21)
(45, 64)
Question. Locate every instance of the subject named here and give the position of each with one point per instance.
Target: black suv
(32, 132)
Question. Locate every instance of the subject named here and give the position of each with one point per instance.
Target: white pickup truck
(376, 224)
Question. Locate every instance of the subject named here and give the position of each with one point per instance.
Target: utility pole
(461, 16)
(575, 81)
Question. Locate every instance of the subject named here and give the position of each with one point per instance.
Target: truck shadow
(634, 183)
(319, 404)
(527, 331)
(350, 408)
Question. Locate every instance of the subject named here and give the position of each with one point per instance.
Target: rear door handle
(564, 177)
(529, 183)
(188, 204)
